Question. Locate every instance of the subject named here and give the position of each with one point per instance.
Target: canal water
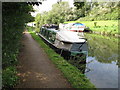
(100, 64)
(102, 61)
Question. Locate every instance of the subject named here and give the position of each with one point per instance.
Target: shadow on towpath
(35, 69)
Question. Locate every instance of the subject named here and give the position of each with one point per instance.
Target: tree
(58, 14)
(79, 5)
(15, 15)
(37, 20)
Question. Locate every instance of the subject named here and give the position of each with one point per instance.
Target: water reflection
(105, 49)
(102, 61)
(79, 61)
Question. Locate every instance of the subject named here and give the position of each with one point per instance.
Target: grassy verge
(108, 27)
(74, 76)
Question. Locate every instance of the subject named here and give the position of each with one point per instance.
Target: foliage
(38, 21)
(30, 29)
(14, 20)
(79, 5)
(34, 3)
(9, 77)
(105, 49)
(83, 11)
(74, 76)
(15, 15)
(101, 11)
(60, 12)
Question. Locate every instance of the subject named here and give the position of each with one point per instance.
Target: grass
(9, 77)
(74, 76)
(109, 26)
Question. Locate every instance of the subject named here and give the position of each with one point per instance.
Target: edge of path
(73, 75)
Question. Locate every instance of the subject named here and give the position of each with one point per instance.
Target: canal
(102, 61)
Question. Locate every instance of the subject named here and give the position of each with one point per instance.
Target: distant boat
(72, 42)
(75, 27)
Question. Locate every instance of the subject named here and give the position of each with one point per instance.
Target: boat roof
(52, 29)
(71, 37)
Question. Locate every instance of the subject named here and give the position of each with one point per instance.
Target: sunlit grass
(110, 26)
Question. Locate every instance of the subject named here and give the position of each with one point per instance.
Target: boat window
(79, 47)
(52, 36)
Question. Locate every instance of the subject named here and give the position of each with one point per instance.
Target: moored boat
(75, 27)
(73, 42)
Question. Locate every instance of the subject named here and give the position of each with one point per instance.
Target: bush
(9, 77)
(37, 30)
(29, 28)
(15, 15)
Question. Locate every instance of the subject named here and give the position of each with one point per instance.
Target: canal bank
(102, 27)
(73, 75)
(109, 34)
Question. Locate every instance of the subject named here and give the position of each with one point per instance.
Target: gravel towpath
(35, 69)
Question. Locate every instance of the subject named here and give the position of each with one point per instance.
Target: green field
(109, 26)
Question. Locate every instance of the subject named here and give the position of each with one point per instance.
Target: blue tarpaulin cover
(78, 24)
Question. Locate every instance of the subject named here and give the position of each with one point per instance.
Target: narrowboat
(64, 40)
